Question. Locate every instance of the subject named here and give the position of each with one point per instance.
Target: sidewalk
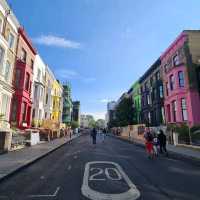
(14, 161)
(180, 151)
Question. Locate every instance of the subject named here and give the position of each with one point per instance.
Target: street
(113, 170)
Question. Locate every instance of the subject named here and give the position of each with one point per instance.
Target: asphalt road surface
(111, 170)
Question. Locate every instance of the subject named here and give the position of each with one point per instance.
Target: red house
(20, 116)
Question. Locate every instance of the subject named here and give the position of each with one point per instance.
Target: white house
(38, 91)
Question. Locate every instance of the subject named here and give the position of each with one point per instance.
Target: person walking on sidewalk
(162, 141)
(149, 142)
(94, 135)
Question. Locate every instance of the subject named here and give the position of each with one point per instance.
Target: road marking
(45, 195)
(69, 167)
(132, 193)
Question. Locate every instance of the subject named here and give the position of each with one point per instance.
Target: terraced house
(38, 91)
(48, 100)
(152, 96)
(136, 97)
(67, 104)
(57, 91)
(8, 41)
(181, 72)
(23, 79)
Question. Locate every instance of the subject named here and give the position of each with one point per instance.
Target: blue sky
(103, 46)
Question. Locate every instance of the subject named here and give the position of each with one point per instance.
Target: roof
(156, 64)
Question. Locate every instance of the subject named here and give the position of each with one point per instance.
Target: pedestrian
(104, 134)
(70, 135)
(162, 141)
(149, 142)
(94, 135)
(155, 144)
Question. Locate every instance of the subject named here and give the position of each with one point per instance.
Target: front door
(2, 141)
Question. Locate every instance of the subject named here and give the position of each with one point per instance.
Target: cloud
(104, 100)
(67, 73)
(89, 79)
(51, 40)
(72, 74)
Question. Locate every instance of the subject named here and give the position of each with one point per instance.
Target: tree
(100, 123)
(92, 123)
(74, 124)
(124, 114)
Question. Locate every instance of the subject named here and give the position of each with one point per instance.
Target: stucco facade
(180, 68)
(8, 42)
(48, 93)
(67, 104)
(57, 91)
(136, 97)
(38, 91)
(20, 116)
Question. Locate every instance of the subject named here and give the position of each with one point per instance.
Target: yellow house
(57, 101)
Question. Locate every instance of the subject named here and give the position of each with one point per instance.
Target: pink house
(181, 71)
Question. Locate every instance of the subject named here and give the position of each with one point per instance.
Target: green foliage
(74, 124)
(124, 114)
(100, 123)
(92, 123)
(195, 132)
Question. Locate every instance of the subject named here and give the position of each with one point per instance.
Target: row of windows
(5, 69)
(23, 58)
(172, 82)
(11, 37)
(149, 83)
(172, 111)
(18, 79)
(174, 60)
(155, 94)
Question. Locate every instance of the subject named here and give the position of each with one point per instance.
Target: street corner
(105, 180)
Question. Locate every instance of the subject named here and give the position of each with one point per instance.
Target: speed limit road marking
(103, 174)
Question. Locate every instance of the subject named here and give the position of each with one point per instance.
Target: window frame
(11, 45)
(184, 110)
(181, 80)
(176, 60)
(23, 56)
(174, 110)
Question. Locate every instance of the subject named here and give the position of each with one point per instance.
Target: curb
(172, 154)
(33, 161)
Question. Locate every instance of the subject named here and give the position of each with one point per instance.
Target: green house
(136, 97)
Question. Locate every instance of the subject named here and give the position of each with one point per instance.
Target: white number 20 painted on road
(93, 174)
(100, 171)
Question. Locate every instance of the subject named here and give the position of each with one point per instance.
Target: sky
(103, 46)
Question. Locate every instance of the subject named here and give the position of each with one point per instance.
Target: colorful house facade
(152, 96)
(48, 93)
(67, 104)
(38, 91)
(21, 108)
(181, 72)
(136, 97)
(8, 42)
(57, 91)
(76, 112)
